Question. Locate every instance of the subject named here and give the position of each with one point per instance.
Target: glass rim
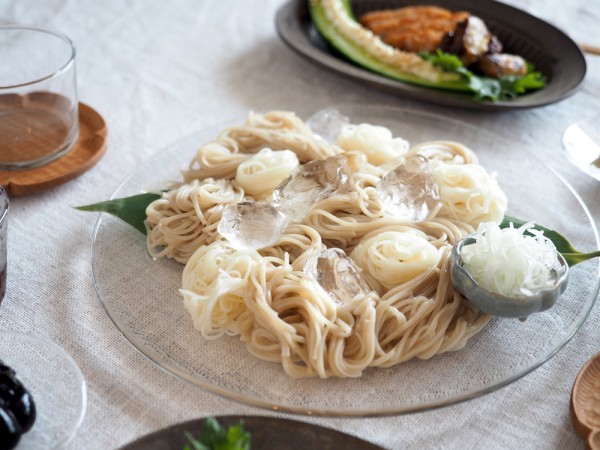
(56, 73)
(4, 204)
(309, 407)
(74, 373)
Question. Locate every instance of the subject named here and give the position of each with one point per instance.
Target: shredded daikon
(510, 262)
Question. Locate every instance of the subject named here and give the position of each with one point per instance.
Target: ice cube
(327, 123)
(310, 183)
(337, 274)
(252, 225)
(410, 190)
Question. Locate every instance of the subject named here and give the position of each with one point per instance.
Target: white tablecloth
(159, 70)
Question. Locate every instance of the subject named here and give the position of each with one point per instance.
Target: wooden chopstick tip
(591, 49)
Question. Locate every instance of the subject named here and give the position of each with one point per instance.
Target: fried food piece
(413, 28)
(471, 40)
(427, 28)
(501, 64)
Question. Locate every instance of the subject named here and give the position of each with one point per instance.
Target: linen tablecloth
(158, 71)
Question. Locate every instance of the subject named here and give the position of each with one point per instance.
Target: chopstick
(592, 49)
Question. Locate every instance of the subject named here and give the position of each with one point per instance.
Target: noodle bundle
(187, 217)
(260, 174)
(393, 257)
(266, 297)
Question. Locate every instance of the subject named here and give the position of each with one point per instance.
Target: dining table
(159, 71)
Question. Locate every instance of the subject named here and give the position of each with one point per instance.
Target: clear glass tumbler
(38, 97)
(3, 238)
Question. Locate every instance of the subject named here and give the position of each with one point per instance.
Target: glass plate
(141, 295)
(55, 383)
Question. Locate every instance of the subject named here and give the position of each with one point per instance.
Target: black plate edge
(289, 433)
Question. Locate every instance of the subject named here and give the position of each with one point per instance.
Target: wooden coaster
(585, 403)
(87, 151)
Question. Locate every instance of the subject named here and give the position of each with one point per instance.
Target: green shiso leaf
(564, 247)
(131, 210)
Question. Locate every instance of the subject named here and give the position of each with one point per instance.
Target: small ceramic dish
(501, 305)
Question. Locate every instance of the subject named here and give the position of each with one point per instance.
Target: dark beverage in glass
(3, 238)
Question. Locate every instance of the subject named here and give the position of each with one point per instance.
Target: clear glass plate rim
(328, 412)
(76, 371)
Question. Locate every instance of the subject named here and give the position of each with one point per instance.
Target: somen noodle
(265, 297)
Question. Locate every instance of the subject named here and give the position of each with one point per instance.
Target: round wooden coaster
(87, 151)
(585, 403)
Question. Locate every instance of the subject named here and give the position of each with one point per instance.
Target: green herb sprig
(486, 88)
(214, 437)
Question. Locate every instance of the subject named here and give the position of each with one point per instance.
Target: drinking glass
(38, 96)
(3, 238)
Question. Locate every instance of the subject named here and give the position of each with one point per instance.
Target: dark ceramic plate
(549, 49)
(267, 433)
